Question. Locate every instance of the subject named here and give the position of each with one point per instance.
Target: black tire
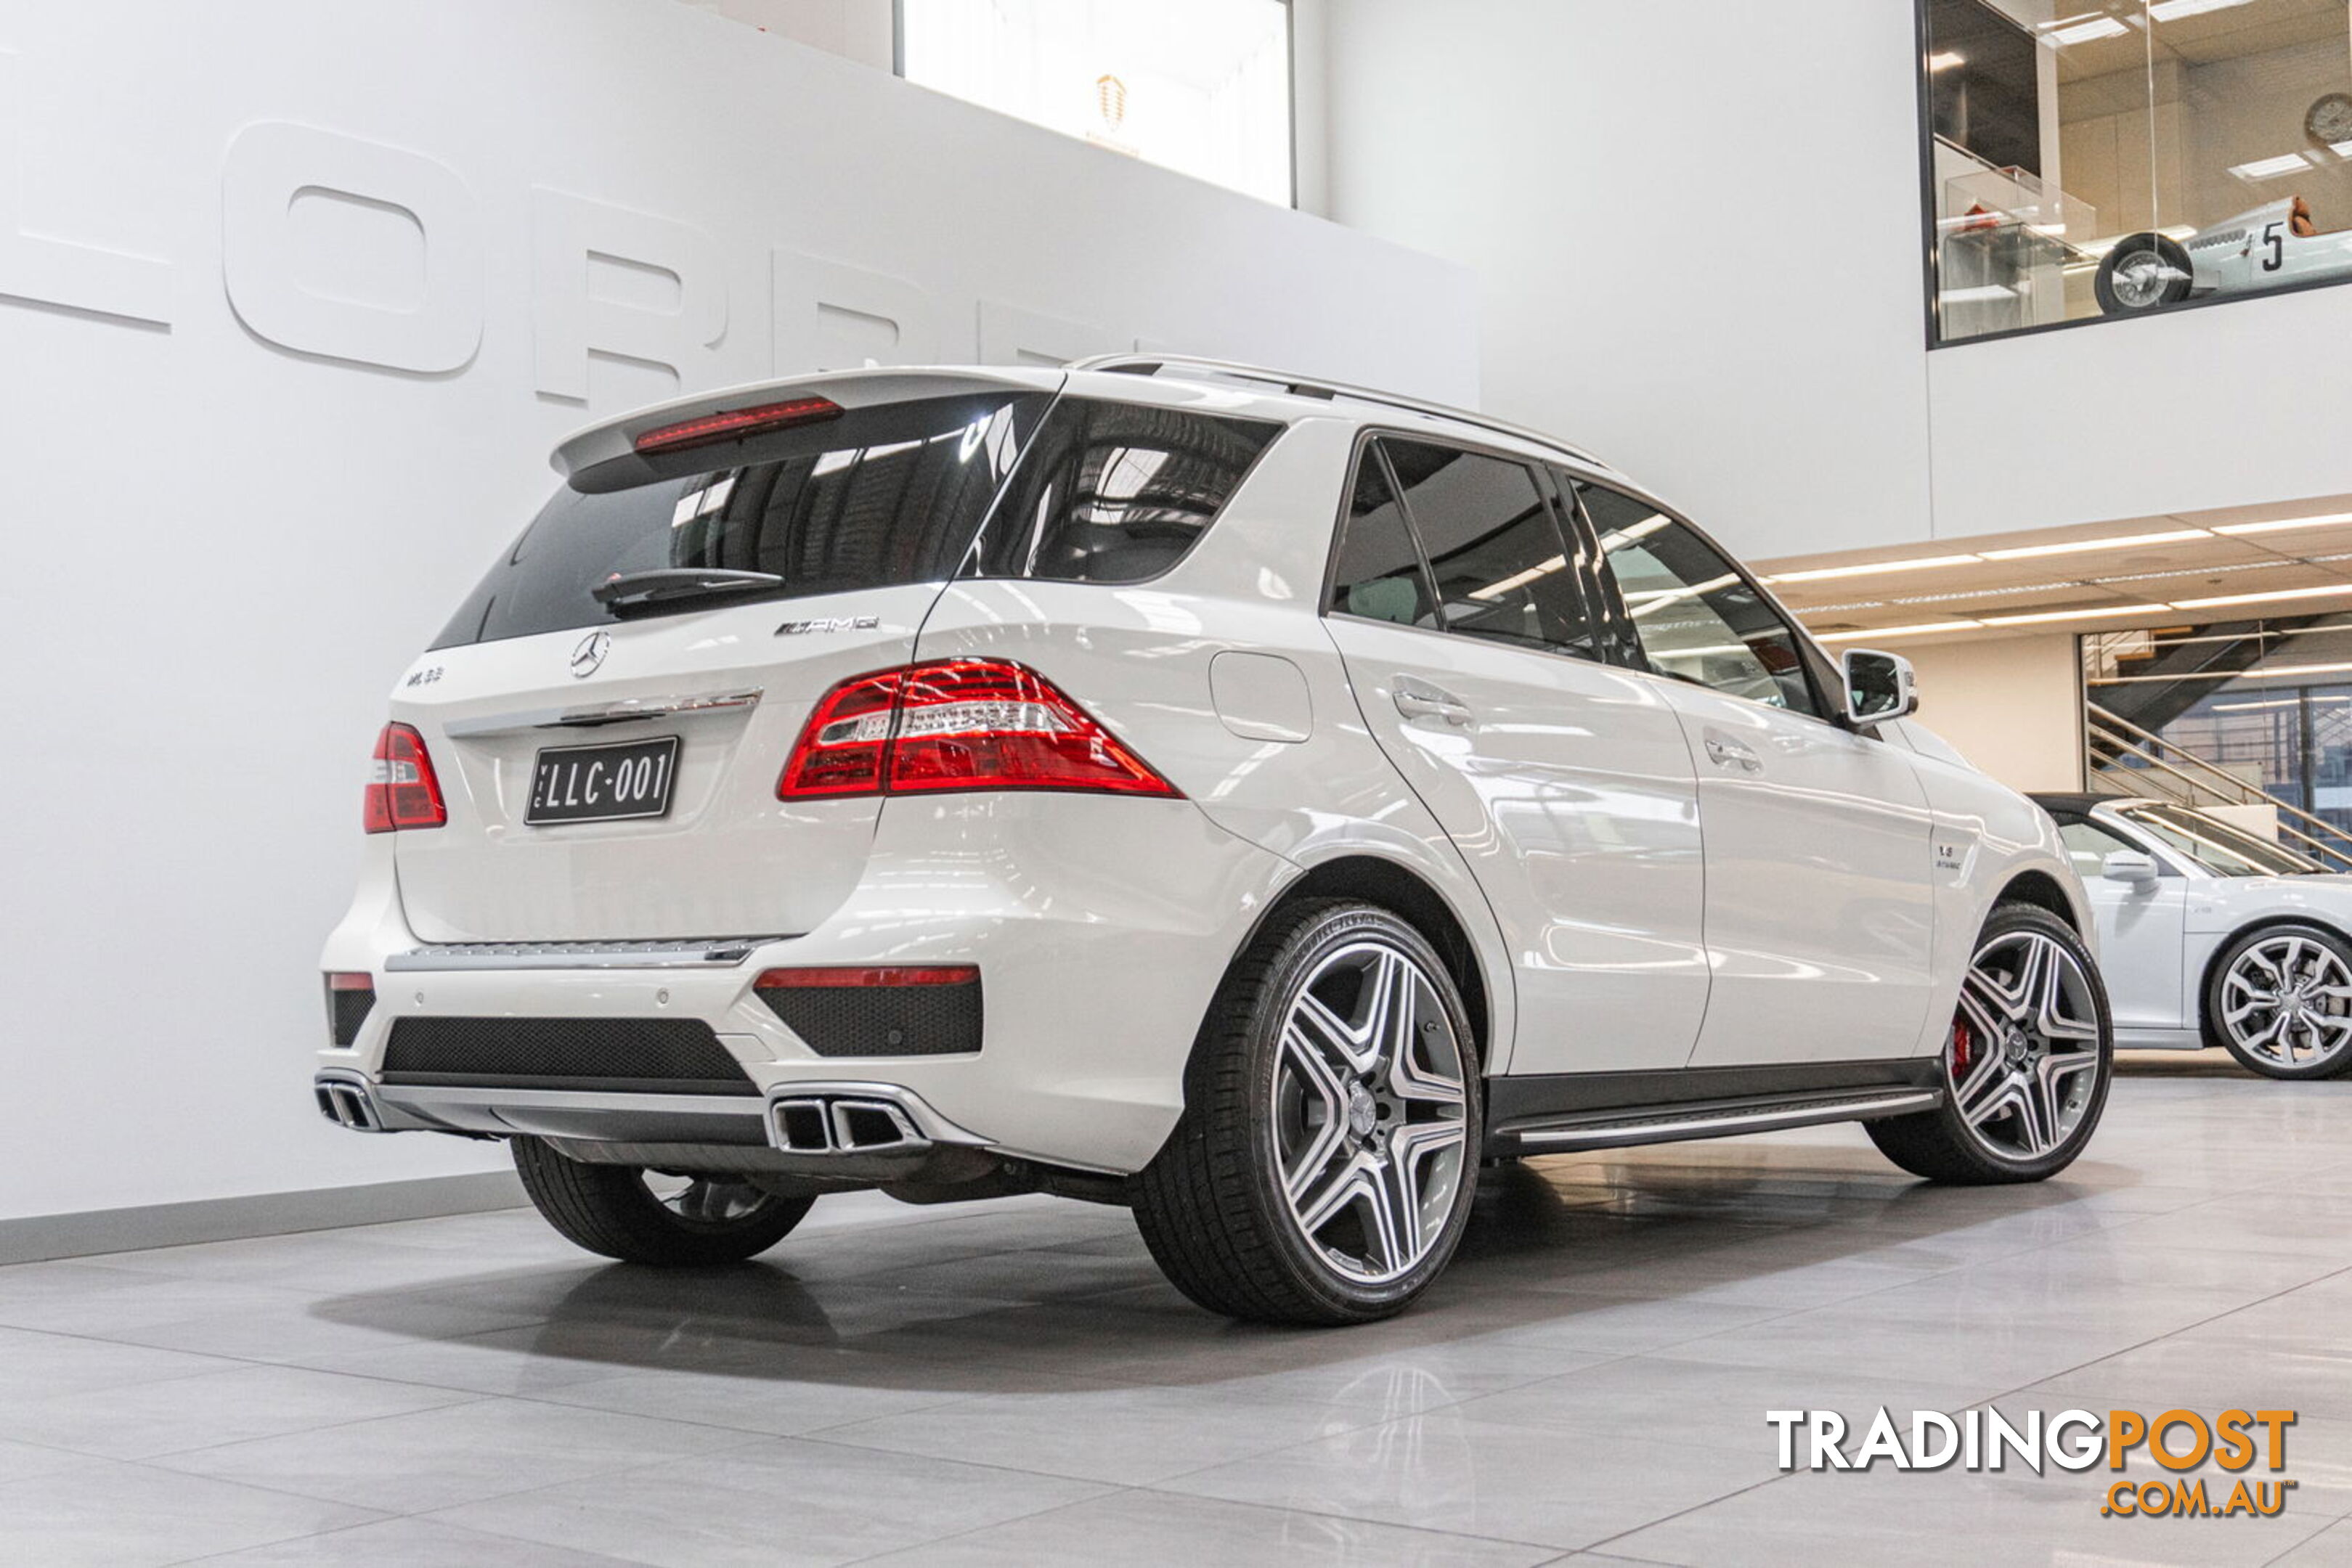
(609, 1209)
(2333, 1059)
(1943, 1144)
(1212, 1205)
(2129, 282)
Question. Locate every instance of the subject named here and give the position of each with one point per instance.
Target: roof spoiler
(605, 456)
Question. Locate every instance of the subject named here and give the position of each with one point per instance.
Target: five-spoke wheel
(2281, 1001)
(2026, 1060)
(1323, 1169)
(1368, 1127)
(2025, 1049)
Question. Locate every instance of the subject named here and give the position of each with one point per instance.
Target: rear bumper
(1101, 927)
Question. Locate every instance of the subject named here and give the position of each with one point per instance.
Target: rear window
(1116, 492)
(1099, 492)
(878, 497)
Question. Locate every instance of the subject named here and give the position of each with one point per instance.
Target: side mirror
(1878, 687)
(2134, 870)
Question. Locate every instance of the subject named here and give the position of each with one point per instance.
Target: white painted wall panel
(222, 547)
(1695, 226)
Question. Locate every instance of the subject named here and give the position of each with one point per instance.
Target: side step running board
(1716, 1119)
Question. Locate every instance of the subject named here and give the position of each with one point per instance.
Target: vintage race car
(2269, 248)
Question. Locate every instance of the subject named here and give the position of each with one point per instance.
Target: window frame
(1571, 538)
(1818, 679)
(1290, 88)
(1931, 253)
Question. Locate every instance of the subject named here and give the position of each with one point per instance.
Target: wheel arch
(2043, 892)
(1375, 879)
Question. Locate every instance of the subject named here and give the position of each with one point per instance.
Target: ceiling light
(2281, 525)
(2272, 168)
(1867, 569)
(1946, 61)
(1520, 580)
(1919, 631)
(2075, 547)
(1980, 294)
(2039, 617)
(2084, 32)
(2276, 702)
(2275, 593)
(2173, 10)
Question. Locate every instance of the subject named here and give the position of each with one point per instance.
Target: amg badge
(829, 623)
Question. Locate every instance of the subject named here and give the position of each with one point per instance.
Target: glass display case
(2098, 158)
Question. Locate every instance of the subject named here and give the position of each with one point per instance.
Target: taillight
(958, 723)
(402, 792)
(735, 422)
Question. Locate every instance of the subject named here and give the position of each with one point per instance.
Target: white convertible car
(2211, 936)
(2269, 248)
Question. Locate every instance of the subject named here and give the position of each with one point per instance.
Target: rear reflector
(958, 723)
(350, 998)
(402, 792)
(788, 979)
(735, 422)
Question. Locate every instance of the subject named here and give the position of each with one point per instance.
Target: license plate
(615, 783)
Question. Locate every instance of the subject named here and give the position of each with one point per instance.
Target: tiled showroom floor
(1012, 1383)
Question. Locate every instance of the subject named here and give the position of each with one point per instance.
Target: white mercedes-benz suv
(1257, 801)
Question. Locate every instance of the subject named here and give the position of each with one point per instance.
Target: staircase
(2124, 758)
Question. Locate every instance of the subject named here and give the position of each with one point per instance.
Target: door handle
(1417, 699)
(1727, 753)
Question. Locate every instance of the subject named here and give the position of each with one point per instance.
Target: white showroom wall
(1696, 227)
(294, 298)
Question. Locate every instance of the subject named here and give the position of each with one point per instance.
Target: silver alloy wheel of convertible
(2139, 281)
(2288, 1000)
(1368, 1112)
(2024, 1056)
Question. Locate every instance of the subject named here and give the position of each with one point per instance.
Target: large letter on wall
(830, 316)
(1010, 335)
(571, 238)
(59, 271)
(390, 242)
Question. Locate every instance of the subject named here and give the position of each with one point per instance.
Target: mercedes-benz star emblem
(588, 657)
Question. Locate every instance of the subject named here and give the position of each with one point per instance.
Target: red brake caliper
(1964, 1048)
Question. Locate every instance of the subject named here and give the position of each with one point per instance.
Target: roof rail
(1304, 386)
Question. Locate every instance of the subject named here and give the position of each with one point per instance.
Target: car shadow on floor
(1579, 1257)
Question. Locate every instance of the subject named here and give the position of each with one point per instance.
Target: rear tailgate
(864, 515)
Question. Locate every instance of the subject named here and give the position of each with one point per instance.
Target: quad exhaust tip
(347, 1102)
(843, 1124)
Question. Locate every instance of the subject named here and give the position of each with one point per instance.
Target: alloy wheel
(2288, 1000)
(1370, 1130)
(2023, 1055)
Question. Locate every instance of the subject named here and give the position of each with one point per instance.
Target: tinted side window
(1697, 618)
(1115, 492)
(1378, 575)
(878, 497)
(1500, 567)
